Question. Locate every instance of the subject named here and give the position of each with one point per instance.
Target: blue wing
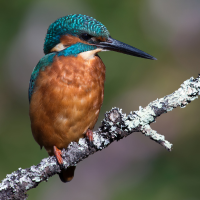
(47, 60)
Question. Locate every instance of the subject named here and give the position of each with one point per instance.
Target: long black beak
(115, 45)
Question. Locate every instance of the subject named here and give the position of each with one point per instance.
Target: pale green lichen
(113, 128)
(188, 92)
(34, 169)
(130, 124)
(106, 142)
(111, 123)
(82, 144)
(36, 179)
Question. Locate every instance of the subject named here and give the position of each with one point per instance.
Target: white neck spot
(87, 55)
(58, 47)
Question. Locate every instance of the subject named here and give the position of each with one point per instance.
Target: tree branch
(115, 126)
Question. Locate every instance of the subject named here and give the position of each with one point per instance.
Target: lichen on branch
(115, 126)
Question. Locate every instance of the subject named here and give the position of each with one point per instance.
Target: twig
(115, 126)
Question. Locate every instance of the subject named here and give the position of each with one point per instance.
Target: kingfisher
(66, 88)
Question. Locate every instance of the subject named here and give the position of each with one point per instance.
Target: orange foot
(89, 135)
(58, 153)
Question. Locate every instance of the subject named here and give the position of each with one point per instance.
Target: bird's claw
(89, 135)
(58, 154)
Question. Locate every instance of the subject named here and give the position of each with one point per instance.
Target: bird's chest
(67, 98)
(77, 83)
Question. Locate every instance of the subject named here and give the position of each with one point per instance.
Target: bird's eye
(86, 36)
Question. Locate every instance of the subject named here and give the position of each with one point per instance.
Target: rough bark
(115, 126)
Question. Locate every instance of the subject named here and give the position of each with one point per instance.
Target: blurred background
(136, 167)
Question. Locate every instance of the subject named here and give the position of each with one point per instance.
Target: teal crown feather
(75, 24)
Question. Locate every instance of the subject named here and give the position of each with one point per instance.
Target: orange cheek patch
(68, 40)
(101, 39)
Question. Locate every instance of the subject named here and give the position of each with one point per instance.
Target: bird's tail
(67, 175)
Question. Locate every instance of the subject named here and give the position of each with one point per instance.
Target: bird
(66, 87)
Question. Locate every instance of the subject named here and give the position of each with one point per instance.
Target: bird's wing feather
(47, 60)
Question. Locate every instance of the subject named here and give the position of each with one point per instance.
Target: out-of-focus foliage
(135, 168)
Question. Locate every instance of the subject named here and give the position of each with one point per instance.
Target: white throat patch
(87, 55)
(58, 47)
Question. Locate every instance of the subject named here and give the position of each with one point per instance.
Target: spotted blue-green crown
(74, 25)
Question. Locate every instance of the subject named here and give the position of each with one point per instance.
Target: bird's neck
(76, 49)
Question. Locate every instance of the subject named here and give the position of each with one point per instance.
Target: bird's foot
(58, 153)
(89, 135)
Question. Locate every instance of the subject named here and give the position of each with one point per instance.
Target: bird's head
(71, 29)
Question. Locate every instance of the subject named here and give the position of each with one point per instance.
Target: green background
(135, 168)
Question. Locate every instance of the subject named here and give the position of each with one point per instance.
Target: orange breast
(66, 101)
